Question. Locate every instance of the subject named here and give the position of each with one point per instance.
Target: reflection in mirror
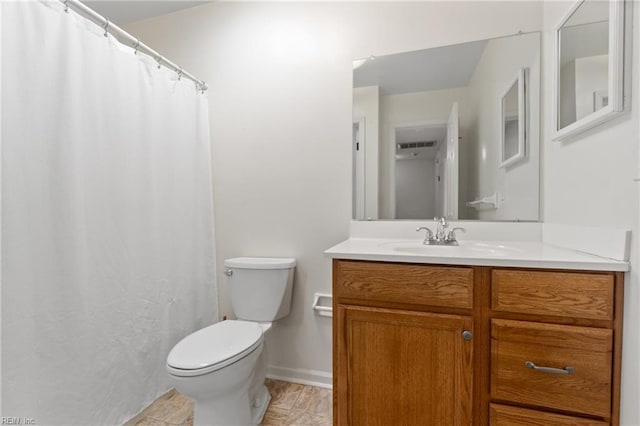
(513, 121)
(584, 62)
(418, 161)
(510, 123)
(358, 168)
(433, 131)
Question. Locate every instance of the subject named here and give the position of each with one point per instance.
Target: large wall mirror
(451, 131)
(588, 66)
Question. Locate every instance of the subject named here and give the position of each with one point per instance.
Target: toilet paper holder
(322, 304)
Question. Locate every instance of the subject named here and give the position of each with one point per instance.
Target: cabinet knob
(467, 335)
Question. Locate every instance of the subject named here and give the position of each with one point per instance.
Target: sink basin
(466, 248)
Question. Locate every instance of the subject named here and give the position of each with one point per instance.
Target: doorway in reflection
(426, 168)
(419, 157)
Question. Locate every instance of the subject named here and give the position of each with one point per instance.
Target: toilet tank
(260, 287)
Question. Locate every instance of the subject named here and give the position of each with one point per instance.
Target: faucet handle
(451, 235)
(428, 237)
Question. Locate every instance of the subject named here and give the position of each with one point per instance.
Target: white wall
(280, 77)
(518, 184)
(366, 104)
(415, 188)
(588, 181)
(431, 107)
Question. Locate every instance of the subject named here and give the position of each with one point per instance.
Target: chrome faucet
(441, 237)
(442, 226)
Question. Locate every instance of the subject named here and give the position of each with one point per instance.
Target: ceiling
(123, 12)
(421, 70)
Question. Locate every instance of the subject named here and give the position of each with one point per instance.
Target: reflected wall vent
(413, 145)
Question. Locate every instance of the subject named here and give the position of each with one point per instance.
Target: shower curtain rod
(126, 38)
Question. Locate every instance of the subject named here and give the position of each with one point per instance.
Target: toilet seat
(214, 347)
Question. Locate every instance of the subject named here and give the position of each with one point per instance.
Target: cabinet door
(402, 368)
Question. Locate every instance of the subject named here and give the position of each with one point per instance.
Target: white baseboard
(321, 379)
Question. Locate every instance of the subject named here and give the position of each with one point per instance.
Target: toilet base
(232, 409)
(260, 406)
(228, 410)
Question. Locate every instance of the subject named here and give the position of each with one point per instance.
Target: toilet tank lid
(260, 262)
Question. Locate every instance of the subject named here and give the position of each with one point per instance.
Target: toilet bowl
(222, 367)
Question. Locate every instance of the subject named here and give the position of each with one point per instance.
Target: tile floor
(291, 404)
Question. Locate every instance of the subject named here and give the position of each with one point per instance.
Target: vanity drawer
(504, 415)
(586, 390)
(404, 283)
(563, 294)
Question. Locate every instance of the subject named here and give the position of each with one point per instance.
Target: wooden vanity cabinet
(420, 344)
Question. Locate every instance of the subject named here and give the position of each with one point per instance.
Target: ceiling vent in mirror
(413, 145)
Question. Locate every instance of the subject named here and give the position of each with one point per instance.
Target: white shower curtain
(107, 219)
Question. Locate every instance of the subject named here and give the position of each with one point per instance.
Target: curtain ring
(135, 47)
(106, 27)
(179, 73)
(158, 61)
(66, 6)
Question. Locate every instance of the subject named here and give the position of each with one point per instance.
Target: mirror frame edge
(616, 67)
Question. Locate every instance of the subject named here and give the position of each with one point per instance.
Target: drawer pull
(551, 370)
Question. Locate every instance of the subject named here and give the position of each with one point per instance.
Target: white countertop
(529, 254)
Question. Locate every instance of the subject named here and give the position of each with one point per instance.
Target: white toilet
(222, 367)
